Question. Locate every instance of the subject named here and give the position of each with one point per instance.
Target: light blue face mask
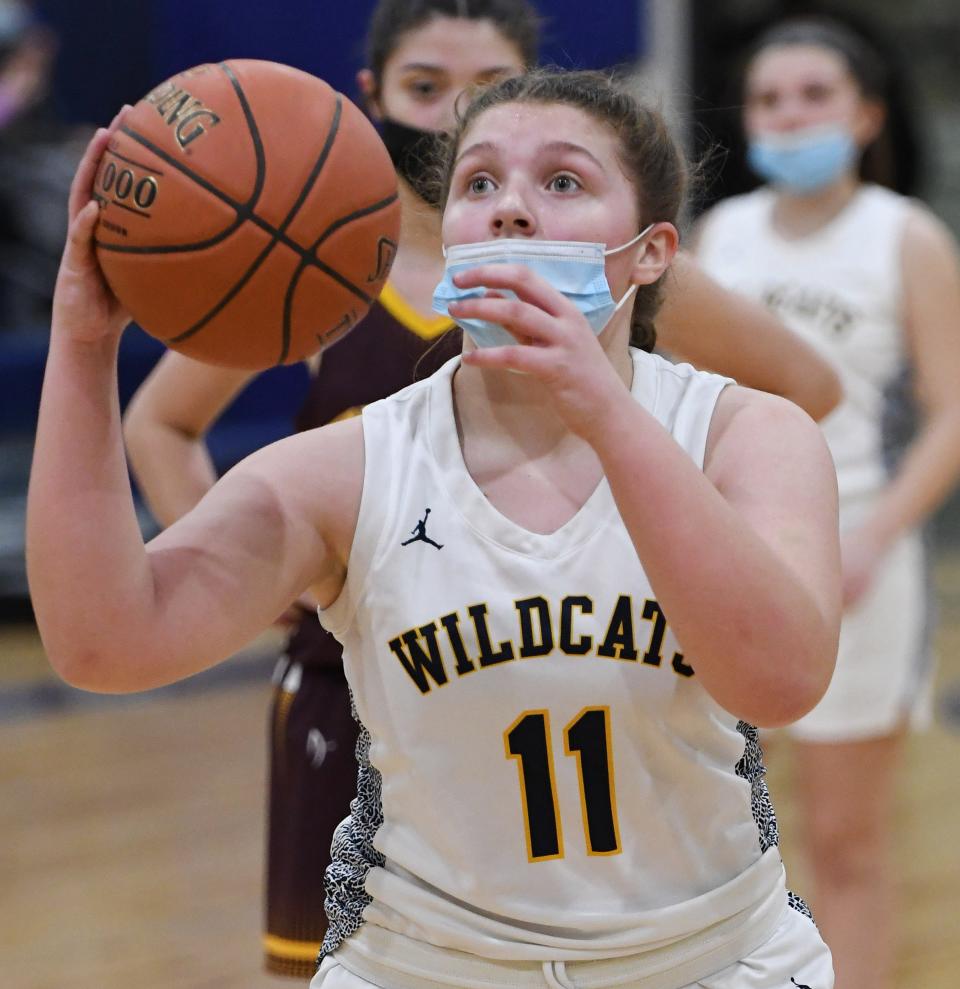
(803, 161)
(575, 268)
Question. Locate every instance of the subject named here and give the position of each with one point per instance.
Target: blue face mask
(574, 268)
(803, 161)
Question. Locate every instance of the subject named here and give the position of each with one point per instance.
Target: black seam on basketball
(254, 135)
(288, 312)
(242, 212)
(332, 132)
(133, 161)
(227, 299)
(258, 188)
(317, 168)
(288, 299)
(350, 217)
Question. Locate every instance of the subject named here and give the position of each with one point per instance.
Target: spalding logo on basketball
(249, 214)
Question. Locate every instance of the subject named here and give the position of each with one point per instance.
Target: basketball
(249, 214)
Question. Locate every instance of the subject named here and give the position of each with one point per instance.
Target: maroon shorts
(313, 778)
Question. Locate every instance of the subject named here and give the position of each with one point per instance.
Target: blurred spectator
(36, 161)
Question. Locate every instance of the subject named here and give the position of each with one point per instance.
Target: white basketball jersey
(840, 290)
(541, 773)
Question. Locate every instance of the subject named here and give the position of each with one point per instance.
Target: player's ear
(658, 249)
(367, 85)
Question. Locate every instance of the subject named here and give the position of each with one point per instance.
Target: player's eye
(766, 98)
(480, 185)
(817, 93)
(423, 89)
(563, 183)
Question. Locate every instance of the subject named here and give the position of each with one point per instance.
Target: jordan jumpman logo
(419, 533)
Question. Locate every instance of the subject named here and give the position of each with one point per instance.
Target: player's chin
(510, 358)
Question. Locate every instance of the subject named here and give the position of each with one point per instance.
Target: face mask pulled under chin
(413, 153)
(574, 268)
(803, 161)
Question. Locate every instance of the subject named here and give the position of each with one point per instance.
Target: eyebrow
(432, 67)
(473, 149)
(552, 146)
(576, 148)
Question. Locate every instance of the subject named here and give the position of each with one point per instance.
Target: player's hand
(861, 555)
(84, 307)
(556, 344)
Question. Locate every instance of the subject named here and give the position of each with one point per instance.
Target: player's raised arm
(114, 614)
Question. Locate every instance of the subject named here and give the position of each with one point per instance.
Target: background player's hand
(562, 351)
(84, 307)
(861, 554)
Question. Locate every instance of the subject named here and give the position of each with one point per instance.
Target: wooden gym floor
(131, 828)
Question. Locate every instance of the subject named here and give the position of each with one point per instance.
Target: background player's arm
(931, 466)
(165, 426)
(720, 330)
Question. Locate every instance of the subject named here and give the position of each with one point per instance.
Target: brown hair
(648, 152)
(516, 20)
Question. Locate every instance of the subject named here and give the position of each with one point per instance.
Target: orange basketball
(249, 214)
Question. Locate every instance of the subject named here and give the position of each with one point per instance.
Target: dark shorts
(313, 778)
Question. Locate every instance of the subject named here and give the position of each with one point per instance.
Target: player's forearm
(810, 382)
(86, 561)
(173, 470)
(722, 330)
(757, 638)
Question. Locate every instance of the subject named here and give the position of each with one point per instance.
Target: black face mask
(412, 152)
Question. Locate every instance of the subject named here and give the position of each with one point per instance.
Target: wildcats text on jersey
(427, 652)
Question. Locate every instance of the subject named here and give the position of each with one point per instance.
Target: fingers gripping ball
(249, 214)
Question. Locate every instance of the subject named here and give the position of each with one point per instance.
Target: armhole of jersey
(373, 522)
(695, 414)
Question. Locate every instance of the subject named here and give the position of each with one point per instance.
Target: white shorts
(794, 957)
(884, 673)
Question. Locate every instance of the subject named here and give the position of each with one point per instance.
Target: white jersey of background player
(567, 792)
(871, 279)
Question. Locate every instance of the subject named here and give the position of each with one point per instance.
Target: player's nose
(511, 216)
(791, 114)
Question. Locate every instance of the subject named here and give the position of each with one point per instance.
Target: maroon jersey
(390, 348)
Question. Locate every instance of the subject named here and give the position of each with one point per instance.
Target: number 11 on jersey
(587, 739)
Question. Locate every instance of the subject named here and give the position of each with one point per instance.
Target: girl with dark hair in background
(872, 280)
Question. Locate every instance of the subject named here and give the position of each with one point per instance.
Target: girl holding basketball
(872, 279)
(598, 815)
(421, 55)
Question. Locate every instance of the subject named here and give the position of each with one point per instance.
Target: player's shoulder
(326, 454)
(924, 231)
(747, 417)
(739, 400)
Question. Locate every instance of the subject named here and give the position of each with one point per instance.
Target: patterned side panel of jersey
(353, 854)
(751, 768)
